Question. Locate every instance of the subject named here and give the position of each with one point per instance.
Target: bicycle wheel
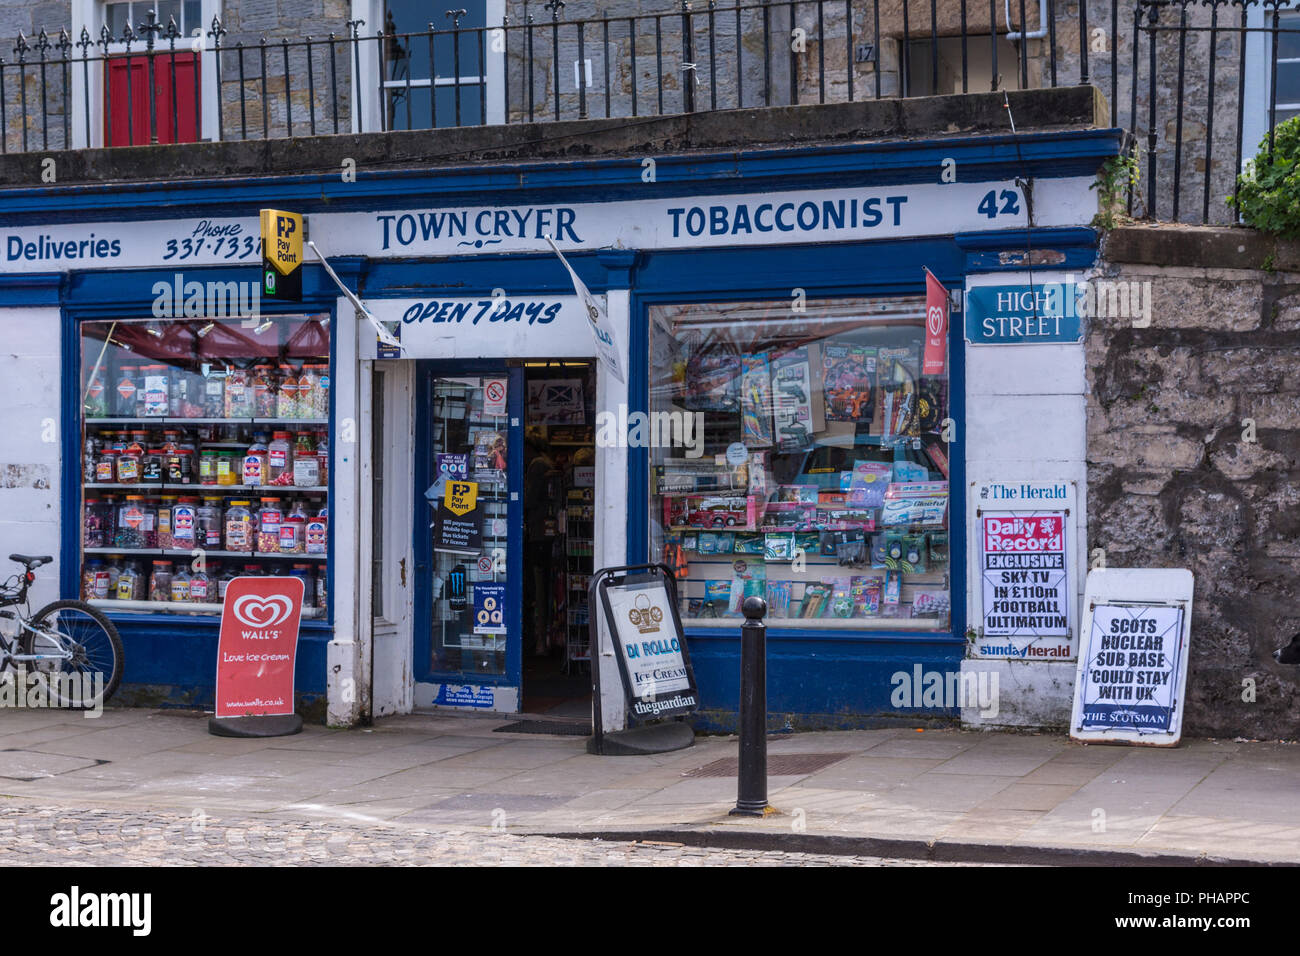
(96, 653)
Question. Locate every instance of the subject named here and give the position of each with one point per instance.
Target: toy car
(720, 513)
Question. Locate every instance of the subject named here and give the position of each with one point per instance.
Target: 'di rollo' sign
(257, 646)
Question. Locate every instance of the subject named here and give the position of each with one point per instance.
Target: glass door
(468, 535)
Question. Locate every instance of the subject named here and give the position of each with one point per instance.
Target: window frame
(91, 15)
(640, 540)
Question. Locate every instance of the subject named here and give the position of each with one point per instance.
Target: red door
(127, 123)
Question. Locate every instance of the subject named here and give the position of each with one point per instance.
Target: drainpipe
(1042, 22)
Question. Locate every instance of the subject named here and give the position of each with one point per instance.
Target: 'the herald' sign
(257, 646)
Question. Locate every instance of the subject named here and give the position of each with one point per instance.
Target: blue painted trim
(176, 651)
(32, 289)
(829, 684)
(127, 293)
(980, 158)
(817, 679)
(986, 251)
(422, 545)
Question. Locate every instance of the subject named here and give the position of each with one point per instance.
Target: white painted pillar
(610, 547)
(345, 674)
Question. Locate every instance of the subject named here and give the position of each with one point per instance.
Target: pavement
(431, 780)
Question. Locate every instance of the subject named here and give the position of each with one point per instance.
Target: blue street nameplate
(1023, 315)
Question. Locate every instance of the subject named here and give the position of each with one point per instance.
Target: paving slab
(939, 788)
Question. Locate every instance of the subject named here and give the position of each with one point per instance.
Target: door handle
(402, 565)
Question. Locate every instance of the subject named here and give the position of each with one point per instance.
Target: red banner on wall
(257, 647)
(936, 326)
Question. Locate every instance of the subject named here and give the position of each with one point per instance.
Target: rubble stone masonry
(1194, 455)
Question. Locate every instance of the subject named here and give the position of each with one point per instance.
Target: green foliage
(1117, 175)
(1268, 191)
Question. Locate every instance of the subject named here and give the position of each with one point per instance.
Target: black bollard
(751, 781)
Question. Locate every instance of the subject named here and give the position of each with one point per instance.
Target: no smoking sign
(494, 396)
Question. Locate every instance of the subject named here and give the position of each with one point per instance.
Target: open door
(468, 536)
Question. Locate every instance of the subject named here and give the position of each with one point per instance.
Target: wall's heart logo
(934, 320)
(263, 612)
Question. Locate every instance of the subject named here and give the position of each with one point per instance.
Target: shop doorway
(559, 536)
(468, 535)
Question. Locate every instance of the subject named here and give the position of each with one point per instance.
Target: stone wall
(248, 23)
(882, 46)
(1194, 455)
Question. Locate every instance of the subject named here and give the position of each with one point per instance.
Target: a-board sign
(641, 610)
(257, 646)
(1132, 671)
(1024, 581)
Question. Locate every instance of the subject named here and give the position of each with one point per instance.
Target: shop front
(785, 419)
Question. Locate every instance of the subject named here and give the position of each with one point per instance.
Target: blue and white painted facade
(838, 220)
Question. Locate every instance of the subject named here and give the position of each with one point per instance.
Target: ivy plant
(1268, 190)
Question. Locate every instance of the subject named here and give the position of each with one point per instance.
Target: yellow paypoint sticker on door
(282, 238)
(461, 497)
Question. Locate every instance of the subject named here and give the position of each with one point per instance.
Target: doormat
(562, 728)
(778, 765)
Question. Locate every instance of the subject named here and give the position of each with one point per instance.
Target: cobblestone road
(63, 836)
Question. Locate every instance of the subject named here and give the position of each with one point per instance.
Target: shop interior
(820, 479)
(559, 530)
(208, 438)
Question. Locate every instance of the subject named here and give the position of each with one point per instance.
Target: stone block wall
(1194, 455)
(247, 23)
(775, 54)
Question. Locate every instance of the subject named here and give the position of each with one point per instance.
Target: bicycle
(63, 640)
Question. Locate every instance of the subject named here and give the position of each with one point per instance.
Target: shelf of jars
(183, 607)
(160, 579)
(207, 553)
(171, 420)
(207, 490)
(203, 439)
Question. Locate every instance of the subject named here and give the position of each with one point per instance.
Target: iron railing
(1188, 79)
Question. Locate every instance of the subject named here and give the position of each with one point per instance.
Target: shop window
(1288, 65)
(450, 66)
(205, 456)
(800, 457)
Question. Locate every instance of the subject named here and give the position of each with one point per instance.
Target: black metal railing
(1188, 79)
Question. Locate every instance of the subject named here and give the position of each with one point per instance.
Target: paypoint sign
(282, 237)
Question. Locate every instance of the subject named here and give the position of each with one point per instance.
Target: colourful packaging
(717, 597)
(748, 579)
(815, 598)
(777, 595)
(756, 402)
(866, 596)
(867, 483)
(848, 377)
